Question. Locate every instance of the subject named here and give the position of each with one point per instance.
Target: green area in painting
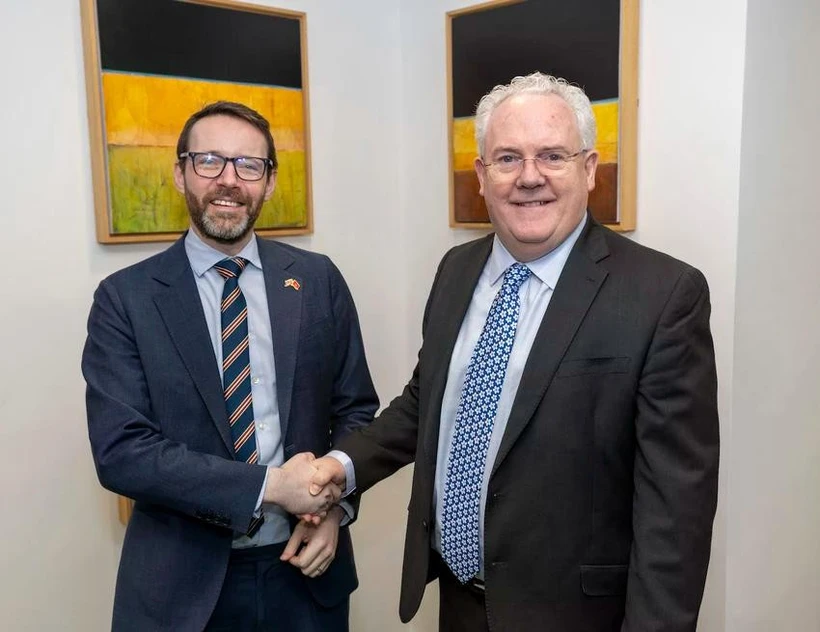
(144, 199)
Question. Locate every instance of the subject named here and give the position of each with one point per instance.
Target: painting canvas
(150, 64)
(591, 43)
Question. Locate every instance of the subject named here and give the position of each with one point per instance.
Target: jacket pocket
(604, 580)
(591, 366)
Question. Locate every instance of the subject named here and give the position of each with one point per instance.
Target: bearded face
(224, 209)
(226, 215)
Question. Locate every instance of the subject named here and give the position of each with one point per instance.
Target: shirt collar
(547, 268)
(202, 257)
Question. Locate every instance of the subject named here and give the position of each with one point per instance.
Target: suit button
(424, 525)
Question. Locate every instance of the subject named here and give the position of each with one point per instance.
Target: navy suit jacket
(159, 431)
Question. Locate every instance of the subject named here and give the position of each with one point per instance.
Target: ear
(591, 166)
(179, 177)
(481, 172)
(270, 185)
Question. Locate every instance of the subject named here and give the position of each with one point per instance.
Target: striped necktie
(475, 417)
(236, 366)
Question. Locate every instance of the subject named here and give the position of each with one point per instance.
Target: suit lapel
(454, 294)
(180, 307)
(285, 309)
(577, 287)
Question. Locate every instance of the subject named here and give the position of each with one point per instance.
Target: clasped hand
(293, 487)
(309, 488)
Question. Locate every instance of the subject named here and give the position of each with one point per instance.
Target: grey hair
(540, 84)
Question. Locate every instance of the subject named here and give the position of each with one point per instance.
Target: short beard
(212, 226)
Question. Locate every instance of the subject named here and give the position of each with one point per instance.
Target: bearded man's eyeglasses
(210, 165)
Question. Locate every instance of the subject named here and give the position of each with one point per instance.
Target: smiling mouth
(226, 203)
(532, 204)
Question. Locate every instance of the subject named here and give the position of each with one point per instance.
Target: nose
(530, 176)
(228, 176)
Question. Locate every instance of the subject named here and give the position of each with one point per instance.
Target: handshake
(309, 488)
(306, 486)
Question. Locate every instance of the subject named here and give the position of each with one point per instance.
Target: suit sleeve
(389, 443)
(131, 455)
(354, 401)
(676, 466)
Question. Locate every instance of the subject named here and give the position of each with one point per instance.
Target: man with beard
(214, 371)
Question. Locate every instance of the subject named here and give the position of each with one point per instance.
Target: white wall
(773, 581)
(59, 537)
(691, 97)
(378, 117)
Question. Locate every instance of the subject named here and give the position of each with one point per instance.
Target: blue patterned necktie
(236, 366)
(474, 426)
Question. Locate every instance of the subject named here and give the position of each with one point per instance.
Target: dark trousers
(263, 594)
(462, 607)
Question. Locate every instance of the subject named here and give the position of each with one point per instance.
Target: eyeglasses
(509, 166)
(210, 165)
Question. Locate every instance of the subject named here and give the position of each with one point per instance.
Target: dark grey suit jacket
(159, 431)
(601, 500)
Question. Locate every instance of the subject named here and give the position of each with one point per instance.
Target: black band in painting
(183, 39)
(577, 40)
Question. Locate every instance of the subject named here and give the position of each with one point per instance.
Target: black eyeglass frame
(193, 154)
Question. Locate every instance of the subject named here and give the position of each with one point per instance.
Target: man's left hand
(319, 544)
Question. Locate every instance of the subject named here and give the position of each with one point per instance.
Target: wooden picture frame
(591, 43)
(125, 506)
(149, 65)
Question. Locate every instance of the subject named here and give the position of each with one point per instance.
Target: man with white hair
(562, 415)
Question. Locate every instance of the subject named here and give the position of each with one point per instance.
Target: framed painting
(590, 43)
(149, 65)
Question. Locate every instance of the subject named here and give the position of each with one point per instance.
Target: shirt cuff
(349, 513)
(350, 474)
(258, 509)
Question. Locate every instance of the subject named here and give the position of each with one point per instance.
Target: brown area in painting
(468, 205)
(603, 200)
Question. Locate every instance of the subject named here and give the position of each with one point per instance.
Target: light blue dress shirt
(535, 295)
(202, 258)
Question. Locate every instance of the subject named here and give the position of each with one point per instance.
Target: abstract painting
(150, 64)
(591, 43)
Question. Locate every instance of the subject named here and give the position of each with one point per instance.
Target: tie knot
(231, 268)
(515, 276)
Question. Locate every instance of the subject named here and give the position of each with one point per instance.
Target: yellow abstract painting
(143, 118)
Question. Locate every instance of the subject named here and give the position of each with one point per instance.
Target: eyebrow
(501, 150)
(223, 155)
(516, 150)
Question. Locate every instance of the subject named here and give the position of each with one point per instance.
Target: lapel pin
(293, 283)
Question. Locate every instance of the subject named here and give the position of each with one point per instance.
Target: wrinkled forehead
(545, 121)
